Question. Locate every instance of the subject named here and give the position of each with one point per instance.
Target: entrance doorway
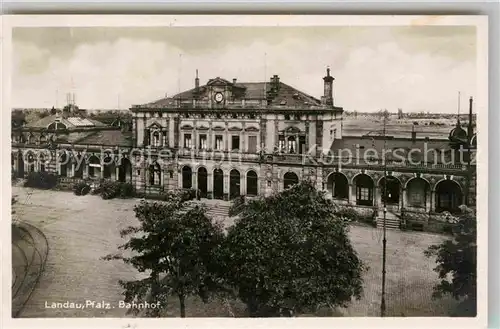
(218, 184)
(234, 184)
(202, 181)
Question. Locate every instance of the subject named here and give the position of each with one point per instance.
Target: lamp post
(384, 240)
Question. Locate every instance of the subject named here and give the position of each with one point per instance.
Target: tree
(18, 118)
(289, 253)
(53, 111)
(174, 243)
(456, 259)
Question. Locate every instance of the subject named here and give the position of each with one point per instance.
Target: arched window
(63, 164)
(292, 147)
(155, 174)
(389, 190)
(109, 167)
(252, 183)
(338, 186)
(156, 138)
(43, 139)
(234, 183)
(417, 190)
(94, 166)
(364, 190)
(42, 162)
(290, 179)
(448, 196)
(30, 159)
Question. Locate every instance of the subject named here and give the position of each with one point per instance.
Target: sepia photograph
(209, 167)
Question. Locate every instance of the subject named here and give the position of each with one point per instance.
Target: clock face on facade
(219, 97)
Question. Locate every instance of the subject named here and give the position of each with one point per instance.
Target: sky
(419, 68)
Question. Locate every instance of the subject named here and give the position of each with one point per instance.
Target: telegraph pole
(384, 240)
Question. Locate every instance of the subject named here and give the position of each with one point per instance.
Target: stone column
(430, 204)
(194, 180)
(72, 170)
(402, 198)
(226, 137)
(210, 184)
(210, 142)
(243, 184)
(352, 194)
(117, 172)
(226, 186)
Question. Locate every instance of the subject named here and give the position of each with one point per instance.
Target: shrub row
(367, 215)
(106, 189)
(81, 188)
(184, 194)
(41, 180)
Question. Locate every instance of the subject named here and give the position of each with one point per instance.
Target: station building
(228, 138)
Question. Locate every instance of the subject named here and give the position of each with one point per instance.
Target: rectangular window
(281, 143)
(302, 144)
(364, 194)
(156, 138)
(218, 142)
(252, 144)
(203, 142)
(417, 197)
(187, 141)
(235, 142)
(165, 138)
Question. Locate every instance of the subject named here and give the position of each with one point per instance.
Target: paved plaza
(82, 229)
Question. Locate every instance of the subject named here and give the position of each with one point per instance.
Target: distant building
(229, 138)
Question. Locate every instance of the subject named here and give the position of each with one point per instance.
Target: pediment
(202, 128)
(251, 129)
(218, 128)
(187, 127)
(218, 82)
(293, 130)
(155, 125)
(235, 129)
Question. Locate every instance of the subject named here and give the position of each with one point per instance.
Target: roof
(394, 148)
(283, 95)
(69, 122)
(109, 138)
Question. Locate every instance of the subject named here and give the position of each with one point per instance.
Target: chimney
(234, 81)
(197, 81)
(328, 88)
(470, 128)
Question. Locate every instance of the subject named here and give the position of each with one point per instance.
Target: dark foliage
(289, 253)
(110, 190)
(81, 188)
(175, 243)
(41, 180)
(457, 258)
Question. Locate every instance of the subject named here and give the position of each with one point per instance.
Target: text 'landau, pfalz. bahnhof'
(231, 138)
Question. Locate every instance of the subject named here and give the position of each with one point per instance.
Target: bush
(42, 180)
(81, 188)
(186, 194)
(13, 176)
(365, 215)
(126, 190)
(109, 190)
